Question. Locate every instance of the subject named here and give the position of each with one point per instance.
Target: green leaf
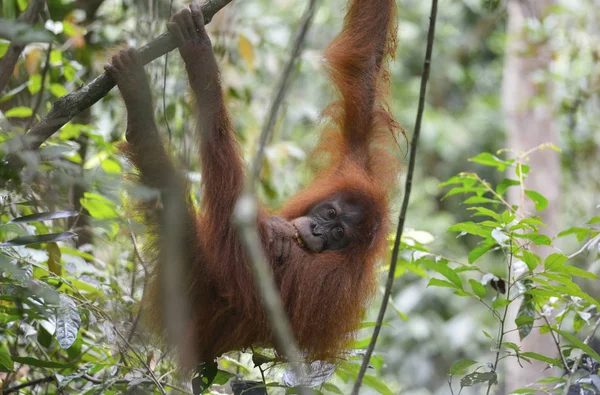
(487, 159)
(35, 84)
(6, 362)
(579, 344)
(498, 303)
(377, 385)
(580, 233)
(505, 184)
(435, 282)
(480, 250)
(460, 367)
(480, 200)
(512, 346)
(98, 206)
(525, 315)
(531, 259)
(470, 228)
(56, 57)
(537, 239)
(478, 377)
(22, 5)
(458, 190)
(54, 256)
(68, 322)
(477, 288)
(538, 199)
(58, 90)
(594, 220)
(575, 271)
(486, 212)
(444, 270)
(19, 112)
(541, 358)
(555, 261)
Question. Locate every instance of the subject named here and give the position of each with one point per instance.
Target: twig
(556, 340)
(503, 320)
(282, 86)
(404, 209)
(38, 100)
(10, 58)
(68, 106)
(16, 388)
(585, 246)
(578, 359)
(246, 210)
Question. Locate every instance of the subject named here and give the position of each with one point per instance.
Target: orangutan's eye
(338, 233)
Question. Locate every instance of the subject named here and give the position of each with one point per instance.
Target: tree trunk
(528, 107)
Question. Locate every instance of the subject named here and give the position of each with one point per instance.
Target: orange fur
(325, 294)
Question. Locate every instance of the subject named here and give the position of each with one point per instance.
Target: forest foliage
(72, 271)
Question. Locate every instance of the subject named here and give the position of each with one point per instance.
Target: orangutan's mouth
(298, 238)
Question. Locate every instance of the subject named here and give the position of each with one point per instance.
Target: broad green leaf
(454, 181)
(486, 212)
(542, 358)
(377, 385)
(478, 377)
(498, 303)
(505, 184)
(54, 256)
(332, 388)
(525, 315)
(19, 112)
(554, 261)
(477, 288)
(575, 271)
(483, 247)
(487, 159)
(512, 346)
(458, 190)
(111, 166)
(67, 322)
(98, 206)
(537, 239)
(480, 200)
(538, 199)
(56, 57)
(58, 90)
(444, 270)
(6, 362)
(471, 228)
(435, 282)
(35, 84)
(531, 259)
(580, 233)
(579, 344)
(460, 367)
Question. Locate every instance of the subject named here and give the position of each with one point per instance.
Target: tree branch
(68, 106)
(246, 212)
(9, 60)
(403, 210)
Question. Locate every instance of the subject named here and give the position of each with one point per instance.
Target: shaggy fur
(324, 294)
